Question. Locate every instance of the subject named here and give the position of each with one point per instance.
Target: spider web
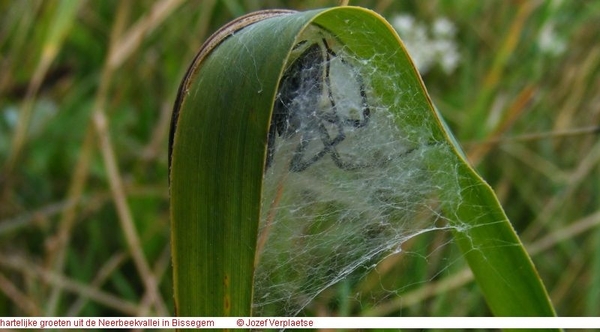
(326, 229)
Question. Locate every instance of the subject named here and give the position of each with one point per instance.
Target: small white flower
(549, 42)
(446, 55)
(403, 23)
(443, 28)
(429, 47)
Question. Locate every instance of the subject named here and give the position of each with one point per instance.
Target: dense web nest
(345, 186)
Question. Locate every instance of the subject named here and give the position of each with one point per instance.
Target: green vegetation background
(86, 90)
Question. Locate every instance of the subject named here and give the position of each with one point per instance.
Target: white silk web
(363, 190)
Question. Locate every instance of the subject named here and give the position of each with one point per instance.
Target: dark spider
(297, 108)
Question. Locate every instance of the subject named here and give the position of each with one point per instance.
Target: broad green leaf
(219, 146)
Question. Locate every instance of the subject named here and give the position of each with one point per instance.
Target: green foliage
(217, 170)
(505, 86)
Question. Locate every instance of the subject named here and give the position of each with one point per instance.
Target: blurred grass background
(86, 91)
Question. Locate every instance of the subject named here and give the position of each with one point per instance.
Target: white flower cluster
(429, 46)
(550, 42)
